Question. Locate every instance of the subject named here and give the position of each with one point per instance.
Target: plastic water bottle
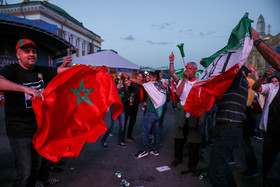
(118, 174)
(124, 183)
(203, 175)
(131, 99)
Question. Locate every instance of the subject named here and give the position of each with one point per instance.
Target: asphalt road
(96, 165)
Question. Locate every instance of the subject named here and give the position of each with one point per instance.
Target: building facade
(255, 58)
(85, 41)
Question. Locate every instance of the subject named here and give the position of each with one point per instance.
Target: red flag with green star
(73, 111)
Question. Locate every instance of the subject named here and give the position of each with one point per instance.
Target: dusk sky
(147, 31)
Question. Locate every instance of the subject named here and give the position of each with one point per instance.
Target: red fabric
(174, 96)
(64, 124)
(141, 95)
(203, 94)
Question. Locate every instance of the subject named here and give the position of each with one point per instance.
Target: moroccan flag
(221, 69)
(73, 111)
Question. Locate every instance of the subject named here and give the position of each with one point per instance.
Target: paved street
(95, 166)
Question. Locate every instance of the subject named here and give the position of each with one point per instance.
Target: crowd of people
(249, 108)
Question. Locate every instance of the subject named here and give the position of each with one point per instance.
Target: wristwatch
(257, 42)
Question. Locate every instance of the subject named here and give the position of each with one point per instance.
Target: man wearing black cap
(20, 82)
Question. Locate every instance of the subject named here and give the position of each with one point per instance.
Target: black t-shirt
(273, 115)
(133, 90)
(232, 106)
(19, 115)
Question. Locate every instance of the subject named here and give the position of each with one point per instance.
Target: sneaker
(176, 163)
(141, 154)
(231, 162)
(131, 139)
(155, 153)
(111, 134)
(104, 143)
(122, 145)
(203, 150)
(249, 174)
(260, 137)
(190, 170)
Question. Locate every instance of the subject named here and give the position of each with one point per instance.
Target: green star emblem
(85, 92)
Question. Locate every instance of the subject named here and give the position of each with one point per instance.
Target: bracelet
(257, 42)
(171, 62)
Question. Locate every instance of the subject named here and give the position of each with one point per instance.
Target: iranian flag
(73, 110)
(221, 69)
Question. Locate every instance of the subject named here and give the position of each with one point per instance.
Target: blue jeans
(161, 122)
(150, 120)
(27, 162)
(209, 123)
(121, 119)
(226, 141)
(259, 131)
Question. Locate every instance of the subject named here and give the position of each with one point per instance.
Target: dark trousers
(131, 114)
(250, 156)
(194, 155)
(178, 148)
(271, 148)
(44, 171)
(225, 142)
(27, 162)
(161, 122)
(179, 142)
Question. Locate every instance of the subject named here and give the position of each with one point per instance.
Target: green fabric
(149, 106)
(194, 130)
(180, 119)
(238, 34)
(123, 95)
(181, 48)
(179, 73)
(194, 135)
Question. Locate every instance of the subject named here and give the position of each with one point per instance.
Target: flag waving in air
(221, 69)
(73, 111)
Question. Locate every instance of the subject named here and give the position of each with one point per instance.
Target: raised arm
(171, 68)
(6, 85)
(136, 81)
(257, 86)
(63, 66)
(180, 88)
(271, 56)
(254, 69)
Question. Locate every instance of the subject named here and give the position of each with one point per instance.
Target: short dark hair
(158, 71)
(154, 74)
(272, 77)
(245, 69)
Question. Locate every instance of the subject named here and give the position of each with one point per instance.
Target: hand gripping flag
(73, 111)
(221, 69)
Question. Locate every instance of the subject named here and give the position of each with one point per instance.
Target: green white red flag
(221, 69)
(73, 111)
